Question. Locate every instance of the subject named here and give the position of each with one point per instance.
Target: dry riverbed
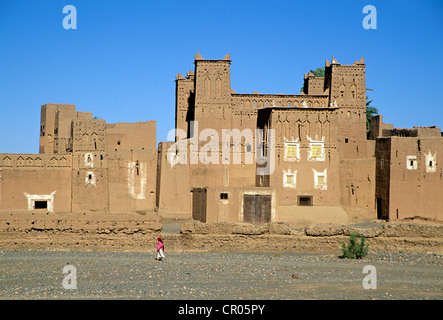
(199, 275)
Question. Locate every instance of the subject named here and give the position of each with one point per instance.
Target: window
(89, 160)
(41, 204)
(292, 151)
(346, 140)
(411, 162)
(320, 180)
(223, 196)
(317, 152)
(304, 200)
(90, 178)
(289, 179)
(431, 165)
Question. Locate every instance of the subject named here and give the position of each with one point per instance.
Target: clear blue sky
(121, 61)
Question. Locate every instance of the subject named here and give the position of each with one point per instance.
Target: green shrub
(355, 249)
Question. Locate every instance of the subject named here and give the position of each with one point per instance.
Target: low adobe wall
(222, 237)
(85, 222)
(280, 237)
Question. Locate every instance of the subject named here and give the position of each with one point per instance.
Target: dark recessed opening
(346, 140)
(41, 205)
(305, 200)
(223, 196)
(90, 177)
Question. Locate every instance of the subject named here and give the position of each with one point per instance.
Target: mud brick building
(409, 177)
(83, 164)
(242, 157)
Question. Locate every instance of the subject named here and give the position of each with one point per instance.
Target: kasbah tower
(325, 165)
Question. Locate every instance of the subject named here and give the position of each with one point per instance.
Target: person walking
(160, 250)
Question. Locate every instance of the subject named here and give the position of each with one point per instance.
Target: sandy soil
(275, 276)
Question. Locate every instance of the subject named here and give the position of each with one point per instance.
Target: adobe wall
(26, 178)
(132, 166)
(89, 170)
(98, 222)
(299, 130)
(56, 125)
(348, 91)
(48, 124)
(184, 101)
(173, 186)
(230, 207)
(132, 179)
(358, 183)
(415, 185)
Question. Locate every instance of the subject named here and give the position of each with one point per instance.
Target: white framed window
(289, 179)
(411, 162)
(90, 178)
(316, 151)
(89, 160)
(431, 162)
(292, 151)
(320, 179)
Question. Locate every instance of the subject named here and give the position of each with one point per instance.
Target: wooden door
(257, 208)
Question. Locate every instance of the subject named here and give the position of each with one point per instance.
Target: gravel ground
(132, 275)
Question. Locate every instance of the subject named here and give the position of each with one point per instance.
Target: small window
(292, 151)
(411, 162)
(289, 179)
(346, 140)
(223, 196)
(430, 163)
(90, 177)
(304, 200)
(41, 205)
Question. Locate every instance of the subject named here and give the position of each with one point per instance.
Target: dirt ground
(203, 263)
(202, 276)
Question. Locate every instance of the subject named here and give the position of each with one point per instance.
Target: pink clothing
(160, 245)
